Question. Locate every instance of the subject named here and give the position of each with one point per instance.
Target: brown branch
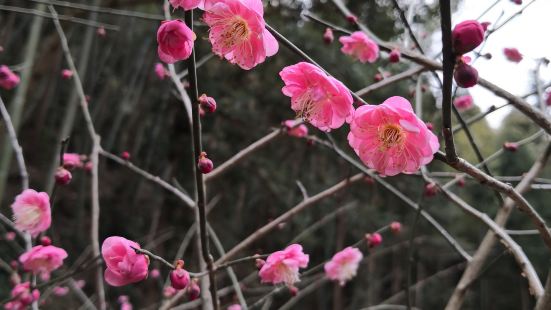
(390, 80)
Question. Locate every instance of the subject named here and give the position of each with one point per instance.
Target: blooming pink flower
(283, 266)
(299, 131)
(512, 54)
(234, 307)
(175, 41)
(316, 97)
(466, 36)
(359, 45)
(463, 102)
(343, 265)
(390, 138)
(185, 4)
(31, 211)
(160, 71)
(8, 79)
(124, 265)
(43, 259)
(60, 290)
(66, 74)
(72, 160)
(22, 296)
(238, 33)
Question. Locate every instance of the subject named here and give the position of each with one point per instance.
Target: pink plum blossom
(31, 212)
(175, 41)
(160, 71)
(124, 265)
(8, 79)
(316, 97)
(185, 4)
(43, 259)
(283, 266)
(360, 46)
(293, 130)
(343, 265)
(512, 54)
(390, 138)
(463, 102)
(22, 297)
(238, 31)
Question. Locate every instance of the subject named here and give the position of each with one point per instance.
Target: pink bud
(125, 155)
(14, 264)
(63, 176)
(207, 103)
(101, 32)
(205, 165)
(353, 19)
(429, 125)
(548, 99)
(461, 182)
(154, 273)
(377, 77)
(519, 2)
(431, 189)
(169, 291)
(465, 75)
(45, 241)
(466, 36)
(193, 290)
(394, 56)
(259, 263)
(293, 290)
(373, 239)
(369, 180)
(485, 25)
(66, 74)
(510, 146)
(328, 36)
(88, 166)
(512, 54)
(179, 277)
(10, 235)
(395, 227)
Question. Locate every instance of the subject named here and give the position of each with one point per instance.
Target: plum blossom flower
(185, 4)
(8, 79)
(390, 138)
(124, 265)
(31, 212)
(238, 31)
(22, 297)
(512, 54)
(463, 102)
(283, 266)
(343, 265)
(175, 41)
(43, 259)
(316, 97)
(359, 45)
(293, 130)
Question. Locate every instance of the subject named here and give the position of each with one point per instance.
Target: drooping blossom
(160, 71)
(390, 138)
(466, 36)
(234, 307)
(238, 31)
(175, 41)
(8, 79)
(31, 212)
(293, 130)
(72, 160)
(185, 4)
(463, 102)
(316, 97)
(512, 54)
(124, 265)
(101, 32)
(343, 265)
(283, 266)
(42, 260)
(22, 296)
(66, 74)
(360, 46)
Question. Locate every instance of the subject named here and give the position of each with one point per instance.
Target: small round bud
(45, 241)
(259, 263)
(369, 180)
(169, 291)
(465, 75)
(125, 155)
(63, 176)
(378, 77)
(207, 103)
(101, 32)
(204, 164)
(154, 273)
(429, 125)
(10, 235)
(510, 146)
(394, 56)
(431, 189)
(179, 277)
(395, 227)
(193, 290)
(353, 19)
(466, 36)
(66, 74)
(461, 182)
(374, 239)
(328, 36)
(293, 290)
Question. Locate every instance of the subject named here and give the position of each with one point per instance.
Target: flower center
(309, 106)
(30, 216)
(391, 135)
(237, 32)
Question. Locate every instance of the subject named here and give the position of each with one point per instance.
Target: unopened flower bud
(328, 36)
(63, 176)
(373, 239)
(45, 241)
(465, 75)
(394, 56)
(293, 290)
(125, 155)
(66, 74)
(179, 277)
(429, 125)
(207, 103)
(193, 290)
(259, 263)
(101, 32)
(461, 181)
(431, 189)
(353, 19)
(510, 146)
(395, 227)
(466, 36)
(205, 165)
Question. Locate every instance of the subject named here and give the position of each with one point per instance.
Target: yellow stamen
(391, 135)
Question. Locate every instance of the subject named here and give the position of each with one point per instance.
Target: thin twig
(16, 146)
